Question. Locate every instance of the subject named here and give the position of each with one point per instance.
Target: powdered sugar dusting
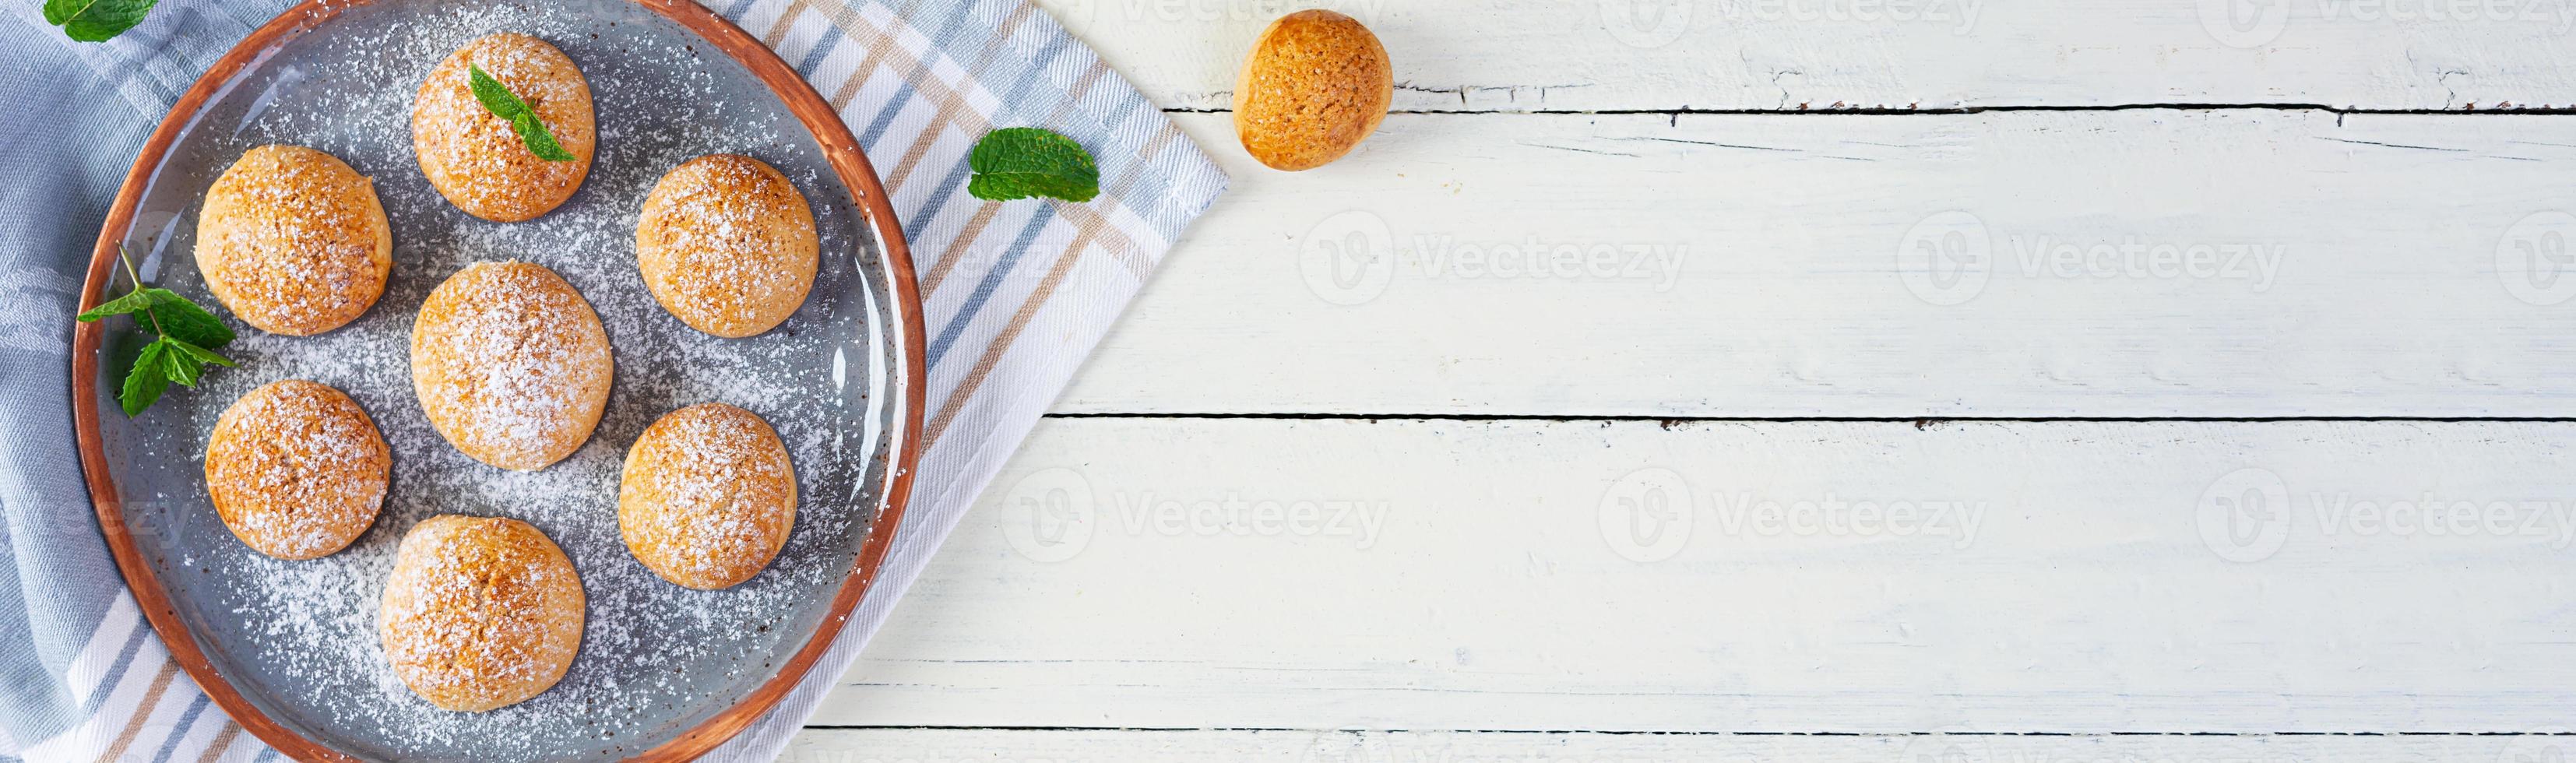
(706, 492)
(510, 364)
(480, 612)
(475, 156)
(299, 638)
(726, 244)
(296, 468)
(292, 237)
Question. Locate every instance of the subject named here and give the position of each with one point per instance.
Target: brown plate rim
(839, 147)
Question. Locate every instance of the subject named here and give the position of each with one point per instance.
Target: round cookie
(480, 612)
(296, 469)
(474, 157)
(293, 241)
(511, 364)
(707, 497)
(727, 245)
(1316, 83)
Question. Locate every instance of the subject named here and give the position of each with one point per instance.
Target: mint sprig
(498, 99)
(1025, 162)
(96, 20)
(187, 338)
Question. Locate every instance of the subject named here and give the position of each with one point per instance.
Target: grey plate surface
(298, 639)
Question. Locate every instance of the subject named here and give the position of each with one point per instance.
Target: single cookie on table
(475, 158)
(708, 496)
(512, 366)
(1315, 85)
(480, 612)
(293, 241)
(727, 245)
(296, 469)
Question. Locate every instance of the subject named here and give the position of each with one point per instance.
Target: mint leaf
(172, 314)
(144, 382)
(131, 303)
(495, 96)
(96, 20)
(185, 321)
(539, 140)
(180, 368)
(182, 332)
(185, 362)
(202, 355)
(1025, 162)
(498, 99)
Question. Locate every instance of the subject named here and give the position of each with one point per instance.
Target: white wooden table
(1811, 379)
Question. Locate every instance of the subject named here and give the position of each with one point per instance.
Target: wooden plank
(1792, 54)
(1070, 746)
(2078, 577)
(2135, 264)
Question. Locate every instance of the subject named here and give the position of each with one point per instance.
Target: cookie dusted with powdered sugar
(707, 496)
(294, 241)
(480, 612)
(511, 364)
(296, 469)
(474, 157)
(727, 245)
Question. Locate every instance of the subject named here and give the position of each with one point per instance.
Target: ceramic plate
(289, 649)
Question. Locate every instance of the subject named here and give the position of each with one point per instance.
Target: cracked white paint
(1731, 54)
(1526, 577)
(2088, 577)
(1793, 299)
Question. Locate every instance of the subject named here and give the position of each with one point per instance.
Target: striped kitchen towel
(1015, 296)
